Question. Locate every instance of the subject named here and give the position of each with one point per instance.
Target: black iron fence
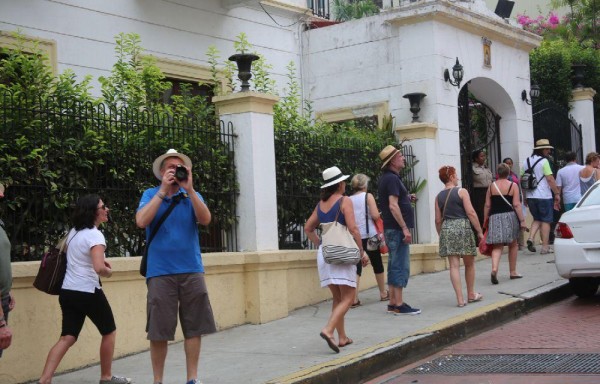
(300, 159)
(553, 122)
(53, 151)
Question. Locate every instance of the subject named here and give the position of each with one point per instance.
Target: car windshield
(592, 197)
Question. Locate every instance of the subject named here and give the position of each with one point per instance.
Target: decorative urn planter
(578, 75)
(244, 64)
(415, 104)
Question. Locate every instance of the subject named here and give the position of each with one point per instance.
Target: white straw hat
(333, 176)
(170, 153)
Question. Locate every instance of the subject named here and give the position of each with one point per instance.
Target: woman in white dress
(340, 279)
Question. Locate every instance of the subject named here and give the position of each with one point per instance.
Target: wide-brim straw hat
(388, 154)
(543, 144)
(333, 176)
(170, 153)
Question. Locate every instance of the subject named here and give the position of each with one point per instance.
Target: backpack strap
(531, 168)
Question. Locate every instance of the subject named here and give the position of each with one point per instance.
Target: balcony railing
(319, 8)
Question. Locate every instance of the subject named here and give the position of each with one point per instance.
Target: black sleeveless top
(498, 203)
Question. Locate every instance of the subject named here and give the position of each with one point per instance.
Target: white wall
(183, 30)
(406, 49)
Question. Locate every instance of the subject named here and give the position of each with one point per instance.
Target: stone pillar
(582, 110)
(251, 114)
(422, 138)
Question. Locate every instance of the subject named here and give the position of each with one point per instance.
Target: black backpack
(528, 180)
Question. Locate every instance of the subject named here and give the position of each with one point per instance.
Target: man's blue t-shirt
(175, 248)
(391, 185)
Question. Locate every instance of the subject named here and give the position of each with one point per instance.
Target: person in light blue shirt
(175, 273)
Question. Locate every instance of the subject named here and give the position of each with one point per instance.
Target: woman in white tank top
(365, 214)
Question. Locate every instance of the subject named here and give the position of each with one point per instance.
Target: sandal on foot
(494, 278)
(348, 342)
(512, 277)
(461, 305)
(386, 297)
(116, 380)
(530, 246)
(354, 305)
(330, 342)
(478, 297)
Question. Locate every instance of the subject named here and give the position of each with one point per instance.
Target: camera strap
(174, 201)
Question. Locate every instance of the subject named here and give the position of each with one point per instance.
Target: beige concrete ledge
(583, 94)
(242, 102)
(250, 287)
(416, 131)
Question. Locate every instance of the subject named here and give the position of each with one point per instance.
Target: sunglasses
(102, 207)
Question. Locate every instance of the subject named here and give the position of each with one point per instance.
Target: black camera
(181, 173)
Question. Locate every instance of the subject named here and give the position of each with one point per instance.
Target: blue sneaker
(406, 309)
(193, 381)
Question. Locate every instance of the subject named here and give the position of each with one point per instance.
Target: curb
(396, 353)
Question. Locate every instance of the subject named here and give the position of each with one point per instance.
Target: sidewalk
(290, 350)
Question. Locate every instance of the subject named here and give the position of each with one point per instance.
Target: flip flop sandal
(530, 246)
(348, 342)
(357, 304)
(386, 298)
(478, 297)
(330, 342)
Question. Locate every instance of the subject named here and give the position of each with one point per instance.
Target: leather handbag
(485, 249)
(53, 268)
(337, 244)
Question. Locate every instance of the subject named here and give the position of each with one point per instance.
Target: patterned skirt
(457, 238)
(503, 228)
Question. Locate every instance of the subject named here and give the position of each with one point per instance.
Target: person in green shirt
(8, 301)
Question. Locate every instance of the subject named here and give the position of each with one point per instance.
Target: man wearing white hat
(175, 274)
(539, 200)
(398, 217)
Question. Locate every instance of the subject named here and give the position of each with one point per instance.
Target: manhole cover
(517, 363)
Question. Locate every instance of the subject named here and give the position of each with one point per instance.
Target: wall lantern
(244, 64)
(457, 74)
(415, 104)
(534, 93)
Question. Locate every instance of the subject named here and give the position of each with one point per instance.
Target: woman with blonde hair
(590, 173)
(365, 214)
(454, 215)
(504, 217)
(340, 279)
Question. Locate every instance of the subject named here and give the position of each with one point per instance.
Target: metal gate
(553, 122)
(478, 129)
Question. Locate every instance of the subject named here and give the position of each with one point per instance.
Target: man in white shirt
(539, 200)
(567, 181)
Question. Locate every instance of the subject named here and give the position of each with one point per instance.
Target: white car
(577, 244)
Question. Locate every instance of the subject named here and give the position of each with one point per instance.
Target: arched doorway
(479, 128)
